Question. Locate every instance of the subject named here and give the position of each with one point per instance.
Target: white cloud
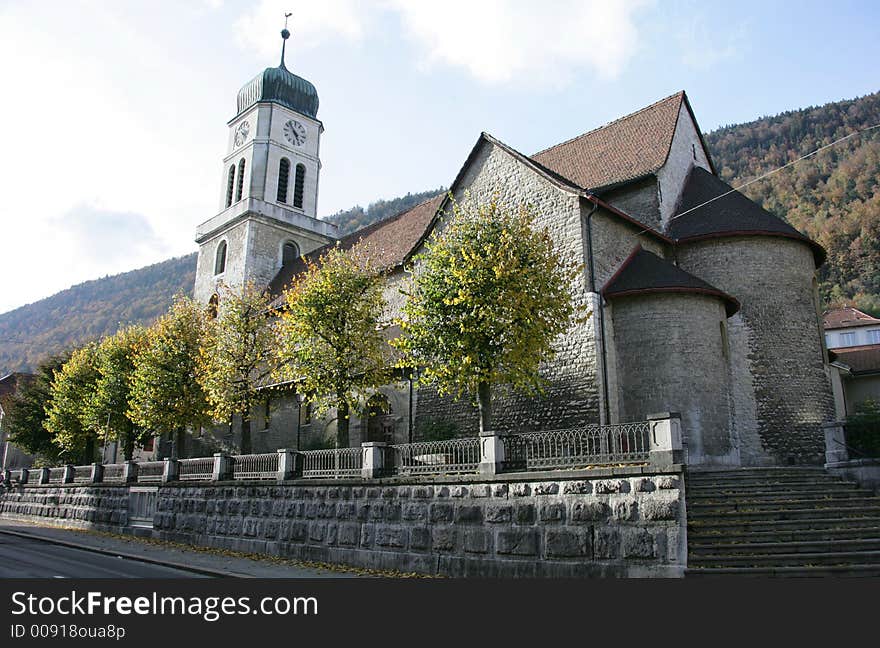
(523, 41)
(495, 41)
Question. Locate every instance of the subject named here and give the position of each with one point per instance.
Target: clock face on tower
(294, 132)
(241, 133)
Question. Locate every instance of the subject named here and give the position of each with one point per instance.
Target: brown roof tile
(625, 149)
(389, 241)
(860, 359)
(847, 317)
(644, 272)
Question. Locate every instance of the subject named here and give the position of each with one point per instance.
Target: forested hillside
(90, 310)
(833, 197)
(357, 217)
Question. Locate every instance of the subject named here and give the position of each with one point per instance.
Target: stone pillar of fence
(44, 476)
(222, 467)
(170, 470)
(25, 476)
(835, 442)
(69, 473)
(374, 454)
(97, 475)
(491, 452)
(664, 439)
(7, 476)
(289, 464)
(129, 472)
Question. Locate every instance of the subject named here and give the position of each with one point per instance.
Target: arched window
(298, 185)
(220, 258)
(230, 185)
(240, 179)
(213, 303)
(283, 177)
(289, 253)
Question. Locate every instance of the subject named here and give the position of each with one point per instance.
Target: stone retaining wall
(561, 525)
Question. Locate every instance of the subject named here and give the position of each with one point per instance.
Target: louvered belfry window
(298, 186)
(283, 177)
(240, 180)
(230, 185)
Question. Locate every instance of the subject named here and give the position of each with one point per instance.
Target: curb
(206, 571)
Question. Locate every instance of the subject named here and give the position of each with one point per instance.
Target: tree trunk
(180, 446)
(128, 442)
(246, 434)
(89, 450)
(484, 403)
(342, 420)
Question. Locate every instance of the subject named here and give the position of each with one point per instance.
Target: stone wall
(621, 523)
(98, 506)
(571, 397)
(668, 352)
(781, 388)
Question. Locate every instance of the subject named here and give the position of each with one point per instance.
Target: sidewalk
(212, 562)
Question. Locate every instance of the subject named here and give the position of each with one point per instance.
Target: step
(810, 487)
(709, 507)
(852, 571)
(697, 536)
(837, 558)
(744, 500)
(739, 525)
(794, 547)
(766, 483)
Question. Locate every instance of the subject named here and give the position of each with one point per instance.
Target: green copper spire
(281, 86)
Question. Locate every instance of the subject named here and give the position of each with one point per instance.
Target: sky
(114, 113)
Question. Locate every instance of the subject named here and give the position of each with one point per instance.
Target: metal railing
(334, 463)
(578, 447)
(199, 469)
(437, 457)
(150, 471)
(114, 472)
(56, 475)
(82, 474)
(255, 466)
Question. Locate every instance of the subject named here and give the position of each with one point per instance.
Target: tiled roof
(860, 359)
(389, 241)
(645, 272)
(625, 149)
(847, 317)
(732, 215)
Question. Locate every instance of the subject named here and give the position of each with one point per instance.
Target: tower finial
(284, 35)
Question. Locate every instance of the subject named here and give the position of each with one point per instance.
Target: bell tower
(269, 184)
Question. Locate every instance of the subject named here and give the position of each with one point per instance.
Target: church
(702, 302)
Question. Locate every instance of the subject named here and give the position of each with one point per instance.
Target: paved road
(26, 558)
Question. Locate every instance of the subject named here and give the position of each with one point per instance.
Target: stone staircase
(774, 522)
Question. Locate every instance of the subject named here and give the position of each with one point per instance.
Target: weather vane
(284, 35)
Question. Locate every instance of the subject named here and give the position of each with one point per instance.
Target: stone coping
(471, 478)
(854, 463)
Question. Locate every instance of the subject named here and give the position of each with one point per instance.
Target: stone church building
(702, 302)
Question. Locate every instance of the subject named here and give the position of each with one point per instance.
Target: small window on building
(725, 343)
(847, 339)
(289, 253)
(230, 185)
(298, 187)
(283, 177)
(874, 337)
(220, 259)
(305, 414)
(240, 180)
